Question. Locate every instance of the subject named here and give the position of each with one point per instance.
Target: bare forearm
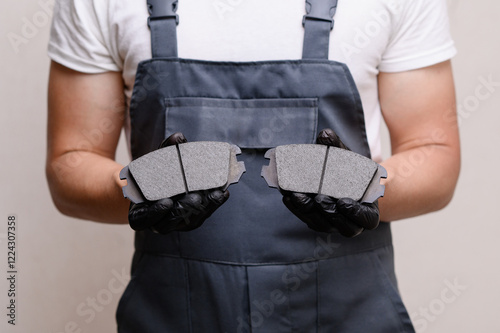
(85, 119)
(87, 186)
(421, 180)
(420, 112)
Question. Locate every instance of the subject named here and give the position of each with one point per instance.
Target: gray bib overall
(253, 266)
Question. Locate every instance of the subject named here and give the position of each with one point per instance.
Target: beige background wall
(71, 273)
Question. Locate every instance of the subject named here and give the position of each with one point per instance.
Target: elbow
(436, 199)
(445, 188)
(62, 206)
(60, 199)
(443, 200)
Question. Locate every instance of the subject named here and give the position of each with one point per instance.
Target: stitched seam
(316, 115)
(383, 279)
(309, 102)
(244, 63)
(131, 284)
(249, 318)
(318, 308)
(230, 263)
(361, 114)
(188, 298)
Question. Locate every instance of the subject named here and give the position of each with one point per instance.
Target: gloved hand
(326, 214)
(183, 212)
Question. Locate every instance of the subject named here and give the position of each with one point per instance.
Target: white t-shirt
(94, 36)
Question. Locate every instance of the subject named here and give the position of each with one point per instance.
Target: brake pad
(183, 168)
(320, 169)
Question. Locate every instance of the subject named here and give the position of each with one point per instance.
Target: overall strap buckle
(320, 10)
(162, 23)
(162, 9)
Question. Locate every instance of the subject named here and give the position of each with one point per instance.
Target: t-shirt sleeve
(421, 36)
(77, 37)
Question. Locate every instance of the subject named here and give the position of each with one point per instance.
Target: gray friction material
(159, 174)
(310, 168)
(347, 174)
(184, 168)
(206, 164)
(300, 167)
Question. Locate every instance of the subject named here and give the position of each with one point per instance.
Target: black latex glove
(326, 214)
(183, 212)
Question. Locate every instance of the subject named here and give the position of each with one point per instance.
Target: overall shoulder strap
(162, 22)
(318, 23)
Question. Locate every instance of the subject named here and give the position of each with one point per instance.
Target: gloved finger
(302, 205)
(302, 202)
(178, 217)
(329, 138)
(335, 218)
(212, 200)
(145, 215)
(186, 208)
(138, 216)
(166, 225)
(302, 214)
(174, 139)
(365, 215)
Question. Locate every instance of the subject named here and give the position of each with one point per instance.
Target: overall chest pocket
(247, 123)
